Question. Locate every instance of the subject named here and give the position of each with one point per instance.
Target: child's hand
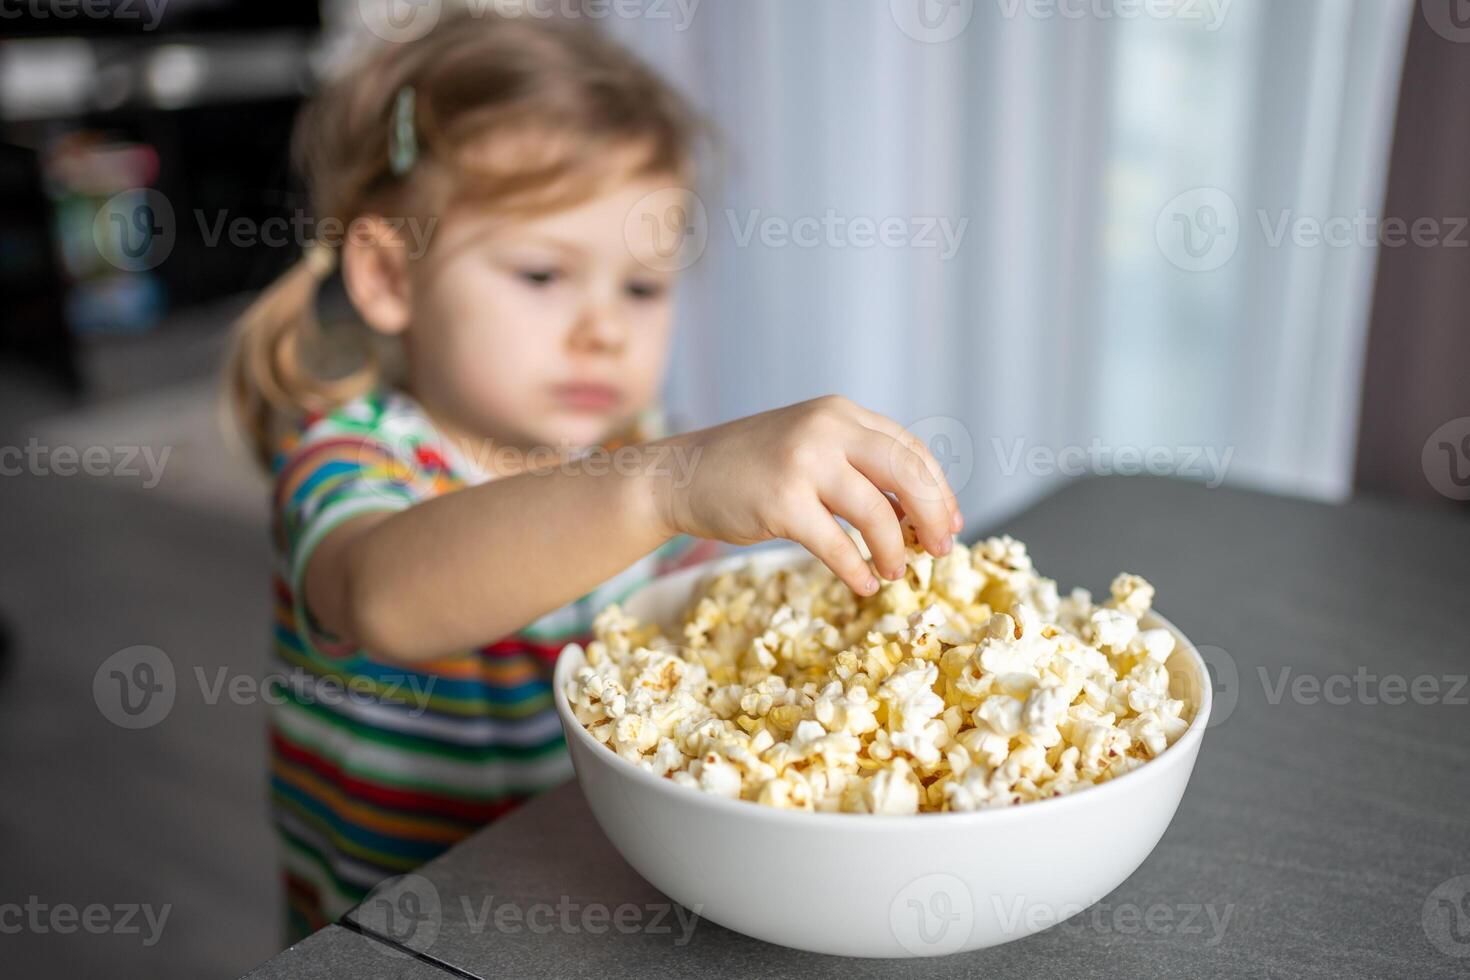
(784, 474)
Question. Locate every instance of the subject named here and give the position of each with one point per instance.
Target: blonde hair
(524, 115)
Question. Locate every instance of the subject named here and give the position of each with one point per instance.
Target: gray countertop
(1325, 831)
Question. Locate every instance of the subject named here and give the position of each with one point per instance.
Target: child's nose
(599, 330)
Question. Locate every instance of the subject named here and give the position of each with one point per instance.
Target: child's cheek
(501, 383)
(484, 380)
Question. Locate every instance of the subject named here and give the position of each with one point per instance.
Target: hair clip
(403, 143)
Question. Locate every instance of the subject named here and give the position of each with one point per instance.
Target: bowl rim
(1172, 757)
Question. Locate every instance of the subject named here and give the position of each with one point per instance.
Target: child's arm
(463, 569)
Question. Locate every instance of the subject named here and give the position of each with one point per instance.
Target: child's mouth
(587, 397)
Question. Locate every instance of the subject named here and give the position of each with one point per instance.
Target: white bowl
(865, 885)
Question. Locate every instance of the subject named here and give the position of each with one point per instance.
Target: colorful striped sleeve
(328, 479)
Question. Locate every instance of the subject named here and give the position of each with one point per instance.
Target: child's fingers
(818, 532)
(851, 495)
(892, 466)
(904, 437)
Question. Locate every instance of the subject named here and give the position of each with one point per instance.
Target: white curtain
(1074, 326)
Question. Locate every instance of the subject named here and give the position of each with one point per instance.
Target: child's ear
(375, 273)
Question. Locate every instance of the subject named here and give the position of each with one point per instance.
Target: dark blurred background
(105, 109)
(145, 192)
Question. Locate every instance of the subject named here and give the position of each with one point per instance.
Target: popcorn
(909, 696)
(967, 683)
(717, 775)
(894, 790)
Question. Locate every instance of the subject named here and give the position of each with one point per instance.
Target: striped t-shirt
(377, 768)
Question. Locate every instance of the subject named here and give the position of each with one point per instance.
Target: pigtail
(269, 377)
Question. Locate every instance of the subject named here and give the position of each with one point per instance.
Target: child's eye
(540, 277)
(645, 290)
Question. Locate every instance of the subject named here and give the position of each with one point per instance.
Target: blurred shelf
(61, 78)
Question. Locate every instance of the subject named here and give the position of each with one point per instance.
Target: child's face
(550, 331)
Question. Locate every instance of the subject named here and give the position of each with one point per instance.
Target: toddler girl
(465, 477)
